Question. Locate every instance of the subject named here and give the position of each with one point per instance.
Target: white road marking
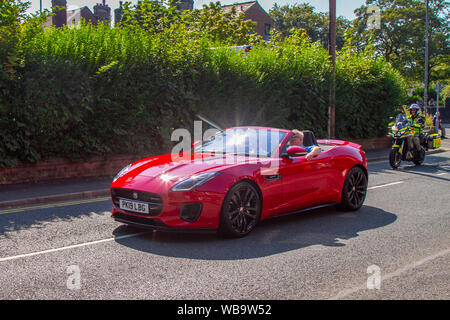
(396, 273)
(441, 174)
(53, 205)
(70, 247)
(385, 185)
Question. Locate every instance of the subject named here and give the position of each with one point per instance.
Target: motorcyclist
(417, 123)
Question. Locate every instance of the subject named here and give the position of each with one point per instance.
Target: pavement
(20, 195)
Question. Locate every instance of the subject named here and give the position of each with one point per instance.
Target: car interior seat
(309, 139)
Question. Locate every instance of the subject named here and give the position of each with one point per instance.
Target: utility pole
(438, 92)
(40, 6)
(427, 22)
(332, 56)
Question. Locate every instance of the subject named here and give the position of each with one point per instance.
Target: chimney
(118, 14)
(60, 17)
(102, 12)
(182, 5)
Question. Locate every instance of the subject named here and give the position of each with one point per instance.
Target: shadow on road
(428, 171)
(433, 164)
(319, 227)
(38, 217)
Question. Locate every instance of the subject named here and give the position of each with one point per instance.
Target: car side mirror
(296, 151)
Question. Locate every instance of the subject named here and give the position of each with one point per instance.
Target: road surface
(396, 247)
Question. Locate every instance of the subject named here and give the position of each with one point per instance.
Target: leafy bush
(98, 91)
(368, 90)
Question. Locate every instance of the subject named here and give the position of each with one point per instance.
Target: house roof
(240, 6)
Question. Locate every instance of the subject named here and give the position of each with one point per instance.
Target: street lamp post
(332, 55)
(438, 91)
(427, 22)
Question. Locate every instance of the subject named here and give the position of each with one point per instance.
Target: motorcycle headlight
(194, 181)
(122, 172)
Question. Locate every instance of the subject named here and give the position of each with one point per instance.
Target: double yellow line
(54, 205)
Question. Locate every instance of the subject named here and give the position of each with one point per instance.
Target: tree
(157, 16)
(401, 36)
(302, 16)
(12, 13)
(151, 15)
(229, 28)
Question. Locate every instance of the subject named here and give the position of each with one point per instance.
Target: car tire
(354, 190)
(241, 210)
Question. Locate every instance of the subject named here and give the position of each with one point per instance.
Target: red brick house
(74, 16)
(252, 10)
(67, 15)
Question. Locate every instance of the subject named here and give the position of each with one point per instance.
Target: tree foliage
(11, 15)
(210, 21)
(401, 37)
(303, 17)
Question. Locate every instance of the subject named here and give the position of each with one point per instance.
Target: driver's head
(414, 110)
(297, 138)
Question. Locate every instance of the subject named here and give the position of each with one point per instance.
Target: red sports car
(236, 178)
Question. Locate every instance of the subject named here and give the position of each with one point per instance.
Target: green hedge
(99, 91)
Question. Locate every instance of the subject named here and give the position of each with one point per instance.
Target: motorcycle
(400, 130)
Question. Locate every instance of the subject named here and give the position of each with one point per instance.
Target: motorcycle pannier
(434, 141)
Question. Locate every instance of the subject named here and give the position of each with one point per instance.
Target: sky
(343, 7)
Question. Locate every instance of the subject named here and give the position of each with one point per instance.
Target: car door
(306, 183)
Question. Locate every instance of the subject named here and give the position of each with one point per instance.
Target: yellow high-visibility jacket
(417, 123)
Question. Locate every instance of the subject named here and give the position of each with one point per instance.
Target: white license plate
(133, 206)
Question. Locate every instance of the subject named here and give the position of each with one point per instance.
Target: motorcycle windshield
(401, 121)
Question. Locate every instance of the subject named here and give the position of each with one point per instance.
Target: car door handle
(273, 177)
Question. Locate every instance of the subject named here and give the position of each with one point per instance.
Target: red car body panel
(302, 184)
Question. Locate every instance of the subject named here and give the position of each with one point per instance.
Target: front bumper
(177, 211)
(153, 224)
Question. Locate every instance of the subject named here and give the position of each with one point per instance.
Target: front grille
(154, 201)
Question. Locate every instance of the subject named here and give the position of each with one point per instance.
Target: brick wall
(374, 143)
(257, 14)
(63, 169)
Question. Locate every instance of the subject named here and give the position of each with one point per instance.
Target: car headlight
(194, 181)
(122, 172)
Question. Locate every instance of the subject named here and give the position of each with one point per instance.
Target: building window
(267, 31)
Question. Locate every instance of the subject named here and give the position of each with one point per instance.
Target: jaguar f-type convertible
(236, 178)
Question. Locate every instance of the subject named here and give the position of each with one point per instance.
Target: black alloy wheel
(241, 210)
(355, 190)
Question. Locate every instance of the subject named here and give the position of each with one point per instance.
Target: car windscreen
(253, 142)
